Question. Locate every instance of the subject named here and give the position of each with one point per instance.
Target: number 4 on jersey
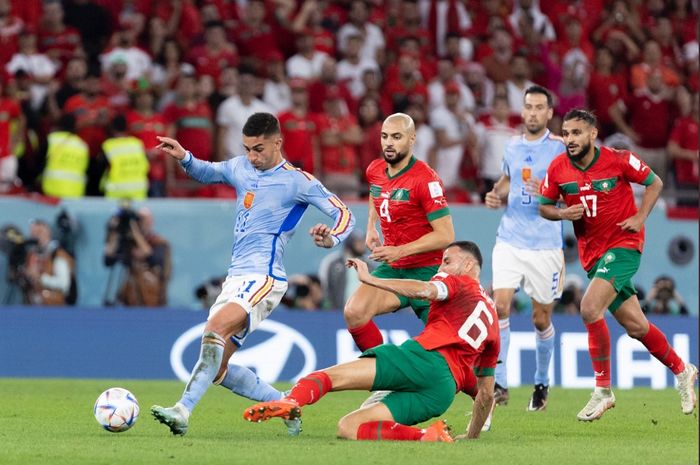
(384, 210)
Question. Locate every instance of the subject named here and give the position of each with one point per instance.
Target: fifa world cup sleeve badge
(248, 200)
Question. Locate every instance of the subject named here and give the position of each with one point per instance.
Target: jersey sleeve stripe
(262, 292)
(344, 221)
(649, 179)
(481, 372)
(432, 216)
(547, 201)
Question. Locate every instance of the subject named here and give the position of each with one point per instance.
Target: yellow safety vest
(66, 163)
(128, 168)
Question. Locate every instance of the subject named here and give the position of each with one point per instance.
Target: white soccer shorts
(258, 294)
(541, 272)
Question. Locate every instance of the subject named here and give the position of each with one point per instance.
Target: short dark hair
(469, 247)
(584, 115)
(261, 124)
(540, 90)
(119, 123)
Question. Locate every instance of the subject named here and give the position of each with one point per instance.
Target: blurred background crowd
(85, 82)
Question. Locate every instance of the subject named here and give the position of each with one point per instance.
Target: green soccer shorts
(618, 266)
(421, 382)
(424, 273)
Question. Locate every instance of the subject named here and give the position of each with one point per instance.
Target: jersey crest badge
(435, 189)
(248, 200)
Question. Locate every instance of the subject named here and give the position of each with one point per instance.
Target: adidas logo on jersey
(528, 159)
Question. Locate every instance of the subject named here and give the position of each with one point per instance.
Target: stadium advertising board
(163, 344)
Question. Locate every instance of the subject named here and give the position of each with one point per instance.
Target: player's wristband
(188, 158)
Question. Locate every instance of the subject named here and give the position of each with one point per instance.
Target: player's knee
(636, 329)
(347, 429)
(356, 315)
(541, 320)
(502, 309)
(589, 311)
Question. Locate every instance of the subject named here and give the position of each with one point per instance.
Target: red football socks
(599, 350)
(387, 431)
(366, 336)
(657, 344)
(311, 388)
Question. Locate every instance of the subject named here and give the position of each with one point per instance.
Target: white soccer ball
(116, 410)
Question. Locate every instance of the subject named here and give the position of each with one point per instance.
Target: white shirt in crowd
(232, 115)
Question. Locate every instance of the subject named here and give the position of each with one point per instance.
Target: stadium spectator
(37, 66)
(126, 176)
(409, 25)
(233, 113)
(518, 82)
(446, 18)
(664, 299)
(605, 87)
(133, 243)
(493, 132)
(481, 87)
(300, 130)
(424, 149)
(49, 270)
(72, 83)
(370, 118)
(57, 40)
(446, 75)
(407, 86)
(652, 62)
(254, 285)
(327, 81)
(67, 158)
(353, 65)
(645, 117)
(371, 42)
(10, 115)
(257, 35)
(307, 62)
(683, 148)
(339, 136)
(454, 134)
(215, 54)
(610, 233)
(93, 22)
(425, 372)
(372, 81)
(125, 50)
(276, 92)
(529, 23)
(497, 62)
(167, 69)
(11, 26)
(145, 123)
(309, 21)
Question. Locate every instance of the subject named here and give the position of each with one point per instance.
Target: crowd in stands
(100, 70)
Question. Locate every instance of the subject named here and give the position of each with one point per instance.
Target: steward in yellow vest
(66, 161)
(127, 175)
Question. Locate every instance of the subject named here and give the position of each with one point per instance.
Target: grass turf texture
(51, 422)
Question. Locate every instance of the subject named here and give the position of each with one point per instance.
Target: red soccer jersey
(464, 329)
(685, 134)
(604, 190)
(406, 203)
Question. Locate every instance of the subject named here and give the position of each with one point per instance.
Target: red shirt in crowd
(341, 158)
(300, 135)
(193, 128)
(61, 45)
(685, 134)
(603, 92)
(146, 128)
(649, 117)
(9, 110)
(91, 116)
(211, 63)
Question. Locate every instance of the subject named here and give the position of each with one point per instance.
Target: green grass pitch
(51, 422)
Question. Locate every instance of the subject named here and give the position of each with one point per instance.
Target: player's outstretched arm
(554, 213)
(171, 147)
(411, 288)
(482, 405)
(200, 170)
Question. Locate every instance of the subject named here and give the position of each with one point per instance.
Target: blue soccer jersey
(269, 207)
(521, 225)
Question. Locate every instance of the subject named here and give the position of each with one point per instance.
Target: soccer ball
(116, 410)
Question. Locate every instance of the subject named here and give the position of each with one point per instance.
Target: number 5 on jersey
(384, 210)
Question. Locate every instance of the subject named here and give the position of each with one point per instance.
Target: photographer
(49, 270)
(144, 255)
(664, 299)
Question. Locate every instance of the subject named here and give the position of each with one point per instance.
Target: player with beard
(407, 197)
(528, 250)
(595, 185)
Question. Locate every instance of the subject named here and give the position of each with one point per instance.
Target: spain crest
(248, 200)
